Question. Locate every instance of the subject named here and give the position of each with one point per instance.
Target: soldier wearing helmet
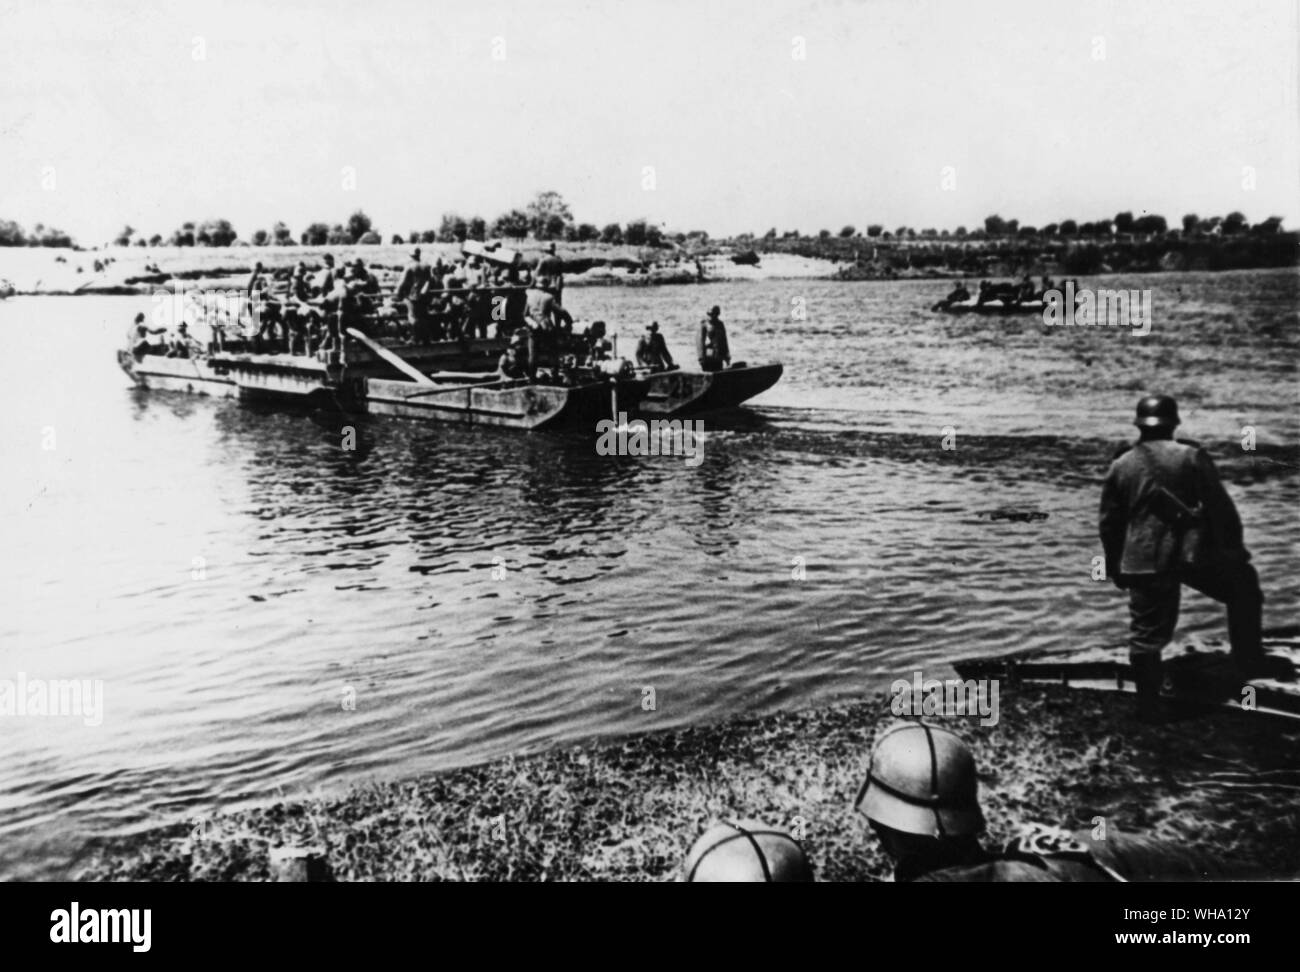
(921, 799)
(746, 850)
(1166, 520)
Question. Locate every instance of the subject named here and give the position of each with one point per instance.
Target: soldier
(652, 350)
(1166, 520)
(746, 850)
(711, 342)
(545, 319)
(514, 361)
(414, 289)
(597, 346)
(921, 798)
(549, 272)
(139, 337)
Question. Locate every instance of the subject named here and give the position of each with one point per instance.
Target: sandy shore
(628, 809)
(72, 272)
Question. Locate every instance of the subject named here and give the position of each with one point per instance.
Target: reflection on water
(231, 573)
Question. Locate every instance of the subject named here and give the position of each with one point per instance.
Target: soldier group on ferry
(299, 311)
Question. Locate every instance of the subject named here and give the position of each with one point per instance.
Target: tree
(959, 232)
(140, 241)
(1270, 226)
(1234, 222)
(1028, 231)
(156, 240)
(654, 235)
(1150, 223)
(548, 215)
(846, 232)
(261, 238)
(1209, 225)
(1069, 227)
(124, 237)
(587, 232)
(512, 225)
(1050, 229)
(994, 225)
(370, 239)
(929, 233)
(1011, 227)
(874, 230)
(358, 226)
(770, 234)
(824, 234)
(1190, 222)
(280, 233)
(397, 239)
(901, 231)
(428, 236)
(317, 234)
(11, 234)
(183, 236)
(452, 229)
(1123, 222)
(478, 228)
(215, 232)
(634, 234)
(612, 234)
(339, 235)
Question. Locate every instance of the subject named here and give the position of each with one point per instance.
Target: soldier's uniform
(711, 343)
(1049, 855)
(1166, 520)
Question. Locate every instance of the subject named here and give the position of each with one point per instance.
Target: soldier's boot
(1147, 678)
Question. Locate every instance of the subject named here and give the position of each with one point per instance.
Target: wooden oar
(401, 364)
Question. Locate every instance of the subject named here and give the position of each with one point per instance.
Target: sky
(710, 114)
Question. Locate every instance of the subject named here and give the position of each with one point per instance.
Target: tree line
(548, 217)
(995, 227)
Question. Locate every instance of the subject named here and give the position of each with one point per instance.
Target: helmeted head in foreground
(746, 850)
(1156, 412)
(922, 781)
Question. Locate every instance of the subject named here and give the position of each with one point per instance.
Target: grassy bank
(629, 809)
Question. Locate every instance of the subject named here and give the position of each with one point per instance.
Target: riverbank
(143, 270)
(628, 809)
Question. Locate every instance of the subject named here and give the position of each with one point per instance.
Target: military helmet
(746, 850)
(922, 781)
(1156, 411)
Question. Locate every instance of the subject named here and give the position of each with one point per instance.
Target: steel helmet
(746, 850)
(922, 781)
(1156, 411)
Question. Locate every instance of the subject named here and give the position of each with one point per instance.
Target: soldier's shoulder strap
(1040, 844)
(1188, 442)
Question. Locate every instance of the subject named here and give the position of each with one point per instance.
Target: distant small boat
(989, 307)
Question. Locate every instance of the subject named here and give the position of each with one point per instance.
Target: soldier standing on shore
(1166, 520)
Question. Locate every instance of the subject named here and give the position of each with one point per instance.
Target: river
(232, 576)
